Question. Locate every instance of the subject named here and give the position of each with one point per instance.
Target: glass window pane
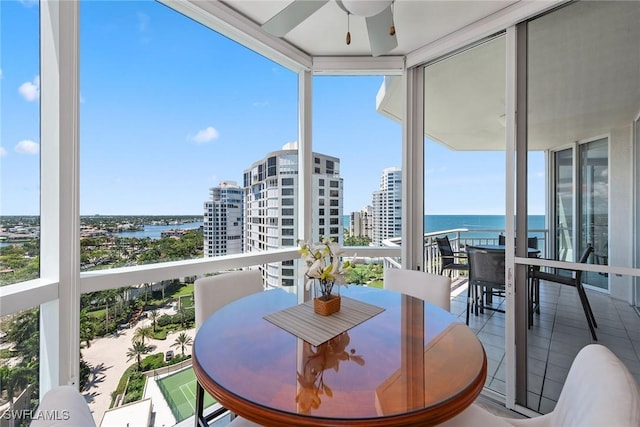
(465, 178)
(583, 96)
(364, 143)
(19, 142)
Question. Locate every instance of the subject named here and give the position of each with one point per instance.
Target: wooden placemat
(301, 321)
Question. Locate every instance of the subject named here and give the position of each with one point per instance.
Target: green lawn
(179, 391)
(184, 290)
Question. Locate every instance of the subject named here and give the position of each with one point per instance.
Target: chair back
(583, 259)
(444, 246)
(532, 242)
(585, 254)
(486, 266)
(599, 391)
(213, 292)
(432, 288)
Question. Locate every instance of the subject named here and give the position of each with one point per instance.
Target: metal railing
(459, 239)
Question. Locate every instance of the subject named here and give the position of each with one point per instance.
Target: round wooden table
(412, 364)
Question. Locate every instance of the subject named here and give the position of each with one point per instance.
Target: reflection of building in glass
(360, 223)
(387, 206)
(271, 206)
(223, 220)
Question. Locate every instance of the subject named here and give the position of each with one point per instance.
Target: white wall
(621, 209)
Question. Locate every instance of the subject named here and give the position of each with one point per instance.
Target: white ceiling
(584, 65)
(583, 82)
(417, 22)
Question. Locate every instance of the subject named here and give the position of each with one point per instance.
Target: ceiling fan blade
(292, 15)
(378, 28)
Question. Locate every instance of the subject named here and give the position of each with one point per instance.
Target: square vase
(327, 307)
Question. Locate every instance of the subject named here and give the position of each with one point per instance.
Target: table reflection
(315, 361)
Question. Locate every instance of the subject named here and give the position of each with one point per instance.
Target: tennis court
(179, 391)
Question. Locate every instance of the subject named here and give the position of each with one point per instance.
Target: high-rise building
(360, 223)
(387, 206)
(271, 207)
(223, 220)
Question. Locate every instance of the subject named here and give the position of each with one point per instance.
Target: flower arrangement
(322, 264)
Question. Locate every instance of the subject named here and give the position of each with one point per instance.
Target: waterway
(153, 231)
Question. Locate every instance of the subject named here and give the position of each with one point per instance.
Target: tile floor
(559, 332)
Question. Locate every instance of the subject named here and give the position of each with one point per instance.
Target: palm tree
(141, 333)
(153, 315)
(14, 379)
(183, 315)
(182, 340)
(87, 329)
(137, 350)
(108, 297)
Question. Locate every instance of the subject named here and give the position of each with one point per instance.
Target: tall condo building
(223, 223)
(360, 223)
(387, 206)
(271, 207)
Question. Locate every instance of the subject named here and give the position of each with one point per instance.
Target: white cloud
(0, 73)
(27, 146)
(30, 90)
(260, 104)
(3, 152)
(206, 135)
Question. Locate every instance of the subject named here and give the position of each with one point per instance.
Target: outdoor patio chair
(451, 260)
(210, 294)
(432, 288)
(486, 278)
(532, 242)
(599, 391)
(563, 277)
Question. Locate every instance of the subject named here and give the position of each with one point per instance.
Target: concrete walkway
(108, 360)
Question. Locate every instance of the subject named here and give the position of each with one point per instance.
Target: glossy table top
(412, 364)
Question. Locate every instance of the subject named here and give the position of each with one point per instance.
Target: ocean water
(471, 222)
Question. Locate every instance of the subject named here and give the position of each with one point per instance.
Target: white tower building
(361, 223)
(271, 206)
(223, 224)
(387, 206)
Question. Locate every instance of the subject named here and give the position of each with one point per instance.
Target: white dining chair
(599, 391)
(432, 288)
(211, 294)
(63, 406)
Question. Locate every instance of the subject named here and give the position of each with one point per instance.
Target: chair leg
(536, 289)
(587, 310)
(593, 318)
(468, 301)
(199, 416)
(531, 302)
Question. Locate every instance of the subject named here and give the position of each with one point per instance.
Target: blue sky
(169, 109)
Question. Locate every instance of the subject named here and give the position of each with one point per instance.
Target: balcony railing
(459, 238)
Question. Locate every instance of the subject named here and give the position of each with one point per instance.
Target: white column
(305, 163)
(60, 220)
(413, 170)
